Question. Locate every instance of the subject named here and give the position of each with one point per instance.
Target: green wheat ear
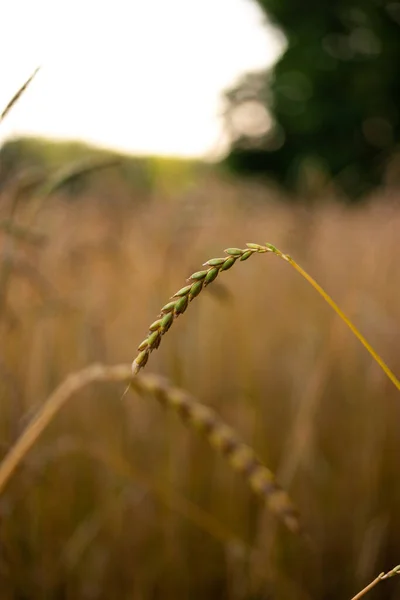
(181, 299)
(199, 280)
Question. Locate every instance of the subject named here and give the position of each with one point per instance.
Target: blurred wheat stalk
(18, 95)
(381, 577)
(197, 416)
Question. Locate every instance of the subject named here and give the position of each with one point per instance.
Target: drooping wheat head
(181, 299)
(226, 441)
(199, 280)
(197, 416)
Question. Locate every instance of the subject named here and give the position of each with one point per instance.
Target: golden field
(118, 499)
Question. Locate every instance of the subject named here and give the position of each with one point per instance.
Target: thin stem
(50, 408)
(381, 576)
(17, 96)
(346, 320)
(341, 314)
(368, 587)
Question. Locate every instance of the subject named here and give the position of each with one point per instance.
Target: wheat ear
(199, 280)
(196, 415)
(180, 301)
(226, 441)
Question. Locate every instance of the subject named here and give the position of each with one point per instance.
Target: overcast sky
(143, 76)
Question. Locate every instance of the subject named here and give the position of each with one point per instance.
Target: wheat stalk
(197, 416)
(17, 95)
(120, 466)
(73, 171)
(199, 280)
(381, 577)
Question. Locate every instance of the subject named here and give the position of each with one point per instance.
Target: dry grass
(17, 95)
(102, 507)
(381, 577)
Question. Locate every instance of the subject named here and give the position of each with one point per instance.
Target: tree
(330, 105)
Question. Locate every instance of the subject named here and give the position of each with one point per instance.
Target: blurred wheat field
(117, 499)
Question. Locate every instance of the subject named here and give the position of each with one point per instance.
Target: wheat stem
(381, 576)
(342, 315)
(18, 94)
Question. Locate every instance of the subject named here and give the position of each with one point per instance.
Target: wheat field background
(118, 499)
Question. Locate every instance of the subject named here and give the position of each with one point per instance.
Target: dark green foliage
(334, 97)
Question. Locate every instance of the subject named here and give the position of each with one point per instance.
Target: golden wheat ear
(196, 415)
(201, 279)
(18, 94)
(225, 440)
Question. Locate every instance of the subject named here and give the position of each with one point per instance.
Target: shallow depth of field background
(118, 499)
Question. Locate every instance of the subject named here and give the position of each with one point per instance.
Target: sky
(139, 76)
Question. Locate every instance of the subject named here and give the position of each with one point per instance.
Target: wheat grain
(181, 299)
